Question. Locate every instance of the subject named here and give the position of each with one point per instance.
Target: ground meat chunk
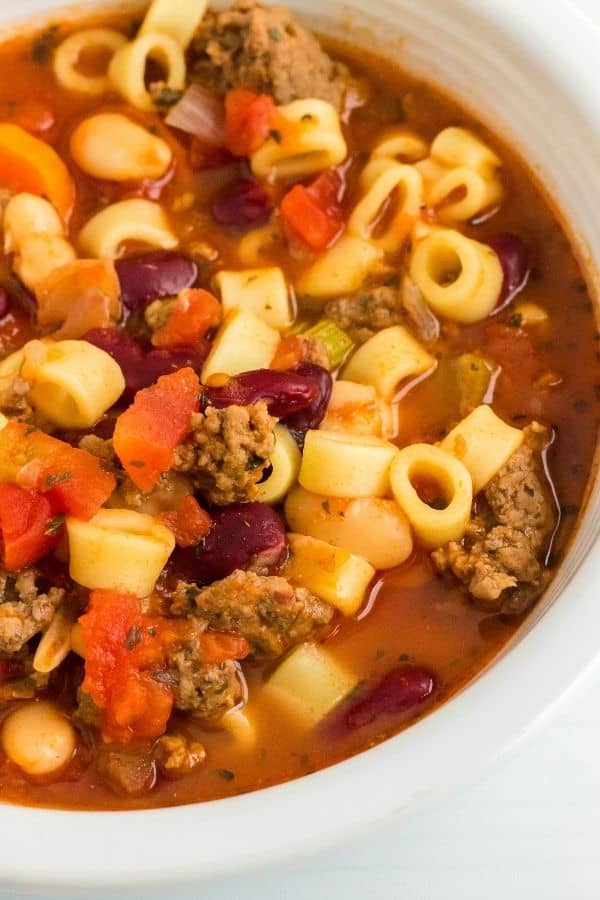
(101, 448)
(367, 312)
(208, 691)
(228, 452)
(265, 49)
(270, 613)
(126, 771)
(499, 559)
(24, 611)
(177, 756)
(14, 403)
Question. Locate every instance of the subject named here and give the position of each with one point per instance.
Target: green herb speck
(226, 774)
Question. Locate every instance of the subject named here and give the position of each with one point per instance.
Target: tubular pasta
(384, 181)
(177, 18)
(68, 54)
(483, 443)
(263, 292)
(459, 278)
(400, 144)
(129, 220)
(433, 527)
(386, 359)
(118, 549)
(340, 270)
(461, 166)
(127, 69)
(309, 139)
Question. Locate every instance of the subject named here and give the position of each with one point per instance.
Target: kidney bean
(154, 275)
(143, 367)
(242, 204)
(243, 536)
(514, 259)
(402, 690)
(284, 392)
(313, 414)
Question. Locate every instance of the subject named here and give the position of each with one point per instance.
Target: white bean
(38, 738)
(112, 147)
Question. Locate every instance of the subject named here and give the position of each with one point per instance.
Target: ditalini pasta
(242, 343)
(129, 220)
(388, 358)
(460, 279)
(309, 138)
(384, 181)
(432, 526)
(177, 18)
(263, 292)
(400, 144)
(118, 549)
(345, 465)
(341, 270)
(463, 167)
(34, 233)
(127, 70)
(483, 443)
(286, 460)
(74, 48)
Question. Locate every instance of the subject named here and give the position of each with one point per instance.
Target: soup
(299, 404)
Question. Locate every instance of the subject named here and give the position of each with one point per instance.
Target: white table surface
(530, 831)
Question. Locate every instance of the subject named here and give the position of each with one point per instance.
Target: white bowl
(531, 71)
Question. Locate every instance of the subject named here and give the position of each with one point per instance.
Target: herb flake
(54, 525)
(226, 774)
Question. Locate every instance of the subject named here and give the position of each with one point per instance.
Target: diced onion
(201, 113)
(424, 320)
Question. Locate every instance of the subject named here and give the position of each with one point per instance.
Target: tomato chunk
(248, 120)
(72, 480)
(218, 646)
(26, 526)
(190, 523)
(195, 313)
(147, 433)
(314, 213)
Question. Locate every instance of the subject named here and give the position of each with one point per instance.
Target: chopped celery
(337, 342)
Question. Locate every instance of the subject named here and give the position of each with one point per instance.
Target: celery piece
(337, 342)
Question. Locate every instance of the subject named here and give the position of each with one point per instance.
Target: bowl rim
(359, 792)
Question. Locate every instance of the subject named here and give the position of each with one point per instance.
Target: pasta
(177, 18)
(118, 549)
(256, 247)
(353, 409)
(332, 573)
(340, 270)
(483, 443)
(243, 343)
(459, 278)
(72, 382)
(383, 182)
(128, 220)
(68, 54)
(263, 292)
(400, 144)
(345, 465)
(34, 234)
(388, 358)
(309, 683)
(308, 140)
(372, 527)
(285, 465)
(39, 255)
(461, 165)
(112, 147)
(418, 462)
(127, 70)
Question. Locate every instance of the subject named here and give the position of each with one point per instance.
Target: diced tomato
(147, 433)
(25, 524)
(196, 312)
(249, 118)
(314, 213)
(72, 480)
(291, 352)
(218, 646)
(140, 707)
(190, 523)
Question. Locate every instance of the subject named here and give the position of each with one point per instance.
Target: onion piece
(418, 312)
(201, 113)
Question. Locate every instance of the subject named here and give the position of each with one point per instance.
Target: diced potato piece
(285, 464)
(243, 343)
(340, 270)
(309, 684)
(388, 358)
(263, 292)
(483, 443)
(346, 465)
(118, 549)
(353, 409)
(241, 727)
(332, 573)
(371, 527)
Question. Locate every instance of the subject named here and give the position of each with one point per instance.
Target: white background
(530, 831)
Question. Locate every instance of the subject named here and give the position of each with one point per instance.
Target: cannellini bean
(38, 738)
(112, 147)
(27, 214)
(40, 255)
